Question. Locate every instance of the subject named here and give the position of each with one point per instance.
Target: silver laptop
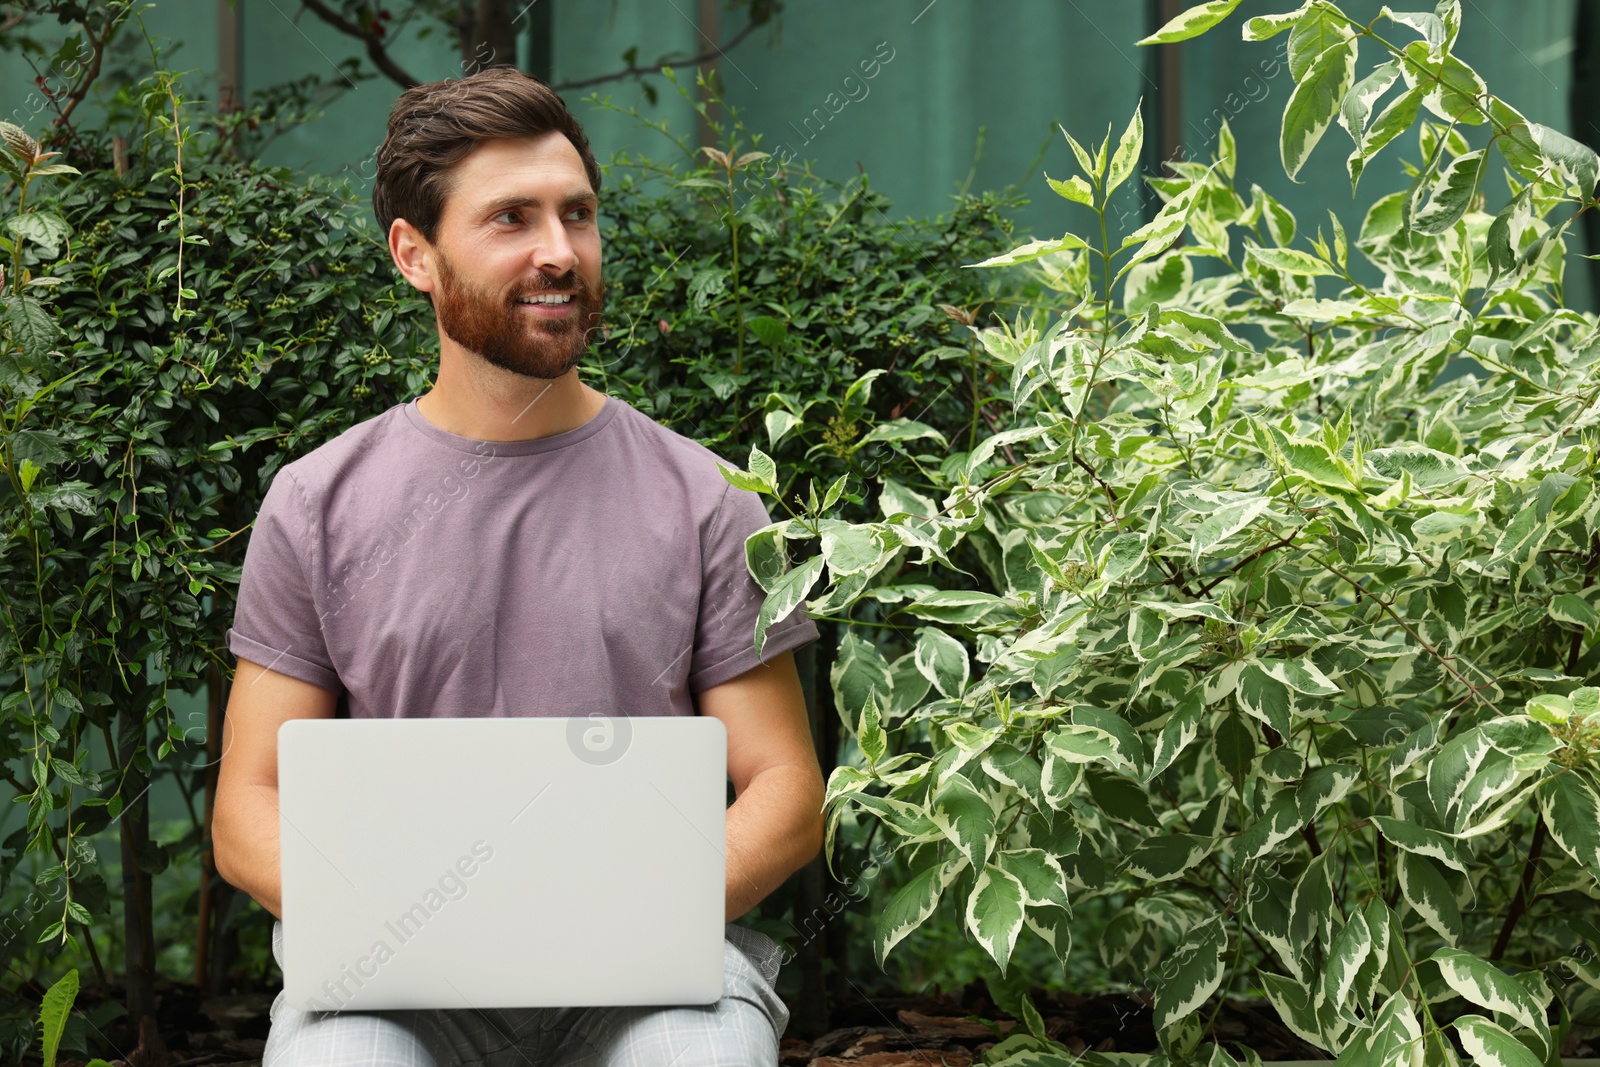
(495, 862)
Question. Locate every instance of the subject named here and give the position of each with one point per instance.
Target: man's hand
(775, 824)
(244, 823)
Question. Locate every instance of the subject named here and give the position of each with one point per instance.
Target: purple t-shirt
(422, 574)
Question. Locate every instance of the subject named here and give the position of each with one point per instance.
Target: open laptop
(502, 862)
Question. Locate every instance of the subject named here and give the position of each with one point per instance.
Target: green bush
(203, 324)
(1291, 643)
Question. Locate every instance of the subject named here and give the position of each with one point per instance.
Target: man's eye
(509, 216)
(580, 214)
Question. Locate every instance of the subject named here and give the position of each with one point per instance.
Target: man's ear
(413, 255)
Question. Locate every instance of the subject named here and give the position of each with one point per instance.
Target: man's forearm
(774, 829)
(244, 838)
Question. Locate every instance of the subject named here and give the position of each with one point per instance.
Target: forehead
(542, 167)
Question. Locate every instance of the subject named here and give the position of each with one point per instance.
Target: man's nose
(552, 250)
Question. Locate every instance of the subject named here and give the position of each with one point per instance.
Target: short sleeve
(730, 600)
(276, 622)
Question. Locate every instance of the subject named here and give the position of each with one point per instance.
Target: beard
(494, 327)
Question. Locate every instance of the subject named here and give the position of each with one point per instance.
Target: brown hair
(433, 127)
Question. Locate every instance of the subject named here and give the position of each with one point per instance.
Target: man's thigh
(740, 1030)
(396, 1038)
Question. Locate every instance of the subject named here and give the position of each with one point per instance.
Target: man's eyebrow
(576, 198)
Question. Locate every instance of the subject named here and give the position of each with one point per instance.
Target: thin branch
(759, 14)
(372, 39)
(378, 53)
(98, 48)
(1251, 558)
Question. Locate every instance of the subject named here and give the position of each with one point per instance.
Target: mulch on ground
(944, 1030)
(888, 1031)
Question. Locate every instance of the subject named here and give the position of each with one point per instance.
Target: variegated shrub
(1280, 628)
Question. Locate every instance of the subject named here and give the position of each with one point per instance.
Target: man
(513, 542)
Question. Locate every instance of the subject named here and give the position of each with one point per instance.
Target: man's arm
(244, 822)
(775, 824)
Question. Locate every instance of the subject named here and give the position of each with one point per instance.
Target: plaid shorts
(740, 1030)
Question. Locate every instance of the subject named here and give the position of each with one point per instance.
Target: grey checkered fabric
(740, 1030)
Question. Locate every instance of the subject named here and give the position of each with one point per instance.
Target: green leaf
(1126, 158)
(1314, 103)
(47, 230)
(742, 479)
(965, 817)
(1074, 188)
(1570, 608)
(32, 328)
(995, 912)
(1039, 874)
(779, 424)
(53, 1012)
(1276, 825)
(1575, 163)
(1430, 896)
(1266, 698)
(1490, 1045)
(910, 907)
(762, 467)
(943, 661)
(1010, 765)
(1488, 986)
(1189, 977)
(1163, 229)
(1301, 675)
(1293, 261)
(1163, 858)
(1222, 524)
(1192, 23)
(849, 549)
(1121, 799)
(1345, 957)
(1358, 102)
(1572, 815)
(1032, 250)
(768, 330)
(870, 735)
(1265, 27)
(1396, 1039)
(1451, 193)
(786, 595)
(901, 430)
(1390, 123)
(858, 673)
(1423, 841)
(1181, 728)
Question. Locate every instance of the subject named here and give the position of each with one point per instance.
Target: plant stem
(1519, 903)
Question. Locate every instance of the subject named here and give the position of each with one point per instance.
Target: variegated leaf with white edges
(1487, 986)
(1491, 1045)
(911, 905)
(1192, 973)
(995, 912)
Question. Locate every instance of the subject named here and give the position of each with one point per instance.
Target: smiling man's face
(517, 256)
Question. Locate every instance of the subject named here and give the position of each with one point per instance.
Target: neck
(472, 398)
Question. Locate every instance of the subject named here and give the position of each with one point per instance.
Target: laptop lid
(502, 862)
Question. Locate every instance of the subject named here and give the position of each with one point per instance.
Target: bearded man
(514, 542)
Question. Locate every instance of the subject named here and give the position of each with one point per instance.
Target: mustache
(569, 282)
